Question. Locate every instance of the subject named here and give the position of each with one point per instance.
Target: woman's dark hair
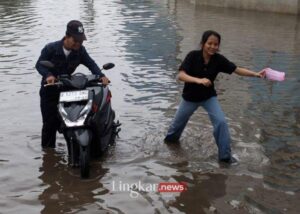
(209, 33)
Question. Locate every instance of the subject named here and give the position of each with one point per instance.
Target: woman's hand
(204, 81)
(183, 76)
(261, 74)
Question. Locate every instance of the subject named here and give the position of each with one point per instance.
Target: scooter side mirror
(108, 66)
(47, 64)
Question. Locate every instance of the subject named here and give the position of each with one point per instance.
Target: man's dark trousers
(49, 99)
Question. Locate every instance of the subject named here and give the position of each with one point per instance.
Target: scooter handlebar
(53, 84)
(93, 82)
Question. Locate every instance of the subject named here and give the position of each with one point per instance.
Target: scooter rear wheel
(84, 162)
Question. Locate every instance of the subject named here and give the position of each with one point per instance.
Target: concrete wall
(279, 6)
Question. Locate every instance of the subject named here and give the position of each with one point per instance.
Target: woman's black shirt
(194, 65)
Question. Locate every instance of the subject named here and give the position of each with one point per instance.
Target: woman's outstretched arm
(248, 73)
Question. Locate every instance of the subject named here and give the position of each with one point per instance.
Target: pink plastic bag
(274, 75)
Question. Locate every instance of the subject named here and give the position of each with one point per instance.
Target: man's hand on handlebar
(104, 80)
(50, 80)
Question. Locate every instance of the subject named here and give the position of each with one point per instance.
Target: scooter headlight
(62, 111)
(86, 109)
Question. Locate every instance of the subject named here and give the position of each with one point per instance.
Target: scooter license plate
(74, 96)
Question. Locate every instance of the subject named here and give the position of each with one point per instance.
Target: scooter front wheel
(84, 162)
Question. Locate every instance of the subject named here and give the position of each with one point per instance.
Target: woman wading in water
(198, 72)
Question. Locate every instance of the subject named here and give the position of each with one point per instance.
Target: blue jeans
(217, 117)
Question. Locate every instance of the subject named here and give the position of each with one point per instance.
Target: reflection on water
(211, 186)
(63, 193)
(147, 40)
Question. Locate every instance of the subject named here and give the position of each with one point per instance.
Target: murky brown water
(146, 40)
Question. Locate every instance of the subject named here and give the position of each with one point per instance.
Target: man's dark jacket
(54, 53)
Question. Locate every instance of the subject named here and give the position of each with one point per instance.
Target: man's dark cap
(76, 30)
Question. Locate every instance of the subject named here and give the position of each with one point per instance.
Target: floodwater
(147, 40)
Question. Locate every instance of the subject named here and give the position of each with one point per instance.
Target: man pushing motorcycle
(66, 54)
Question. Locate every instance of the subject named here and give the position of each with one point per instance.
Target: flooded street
(147, 40)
